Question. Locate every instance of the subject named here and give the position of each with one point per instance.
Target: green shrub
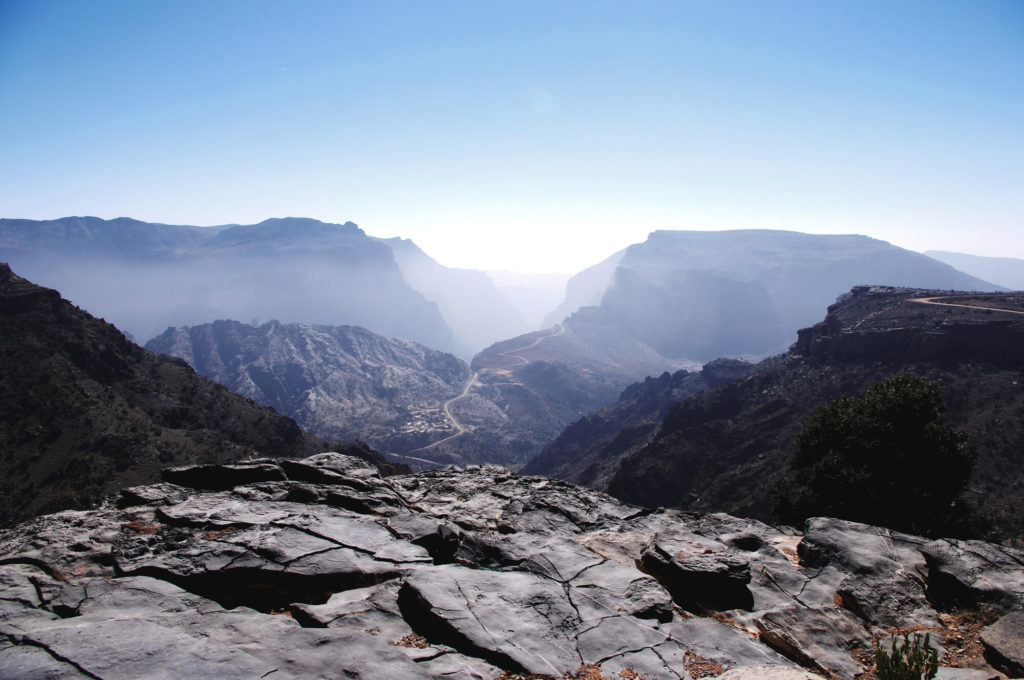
(913, 660)
(887, 458)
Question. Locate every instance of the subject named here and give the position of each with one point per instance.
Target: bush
(915, 660)
(886, 458)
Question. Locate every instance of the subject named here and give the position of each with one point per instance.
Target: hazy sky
(533, 136)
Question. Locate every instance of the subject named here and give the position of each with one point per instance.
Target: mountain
(590, 450)
(477, 312)
(84, 411)
(701, 295)
(682, 298)
(338, 382)
(319, 568)
(1005, 271)
(293, 270)
(586, 288)
(525, 390)
(534, 295)
(722, 448)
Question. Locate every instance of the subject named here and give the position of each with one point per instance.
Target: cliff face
(291, 269)
(902, 325)
(84, 411)
(320, 568)
(338, 382)
(723, 448)
(691, 295)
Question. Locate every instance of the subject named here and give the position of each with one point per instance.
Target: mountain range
(84, 411)
(721, 448)
(696, 296)
(292, 270)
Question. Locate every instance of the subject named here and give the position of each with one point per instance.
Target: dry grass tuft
(699, 667)
(413, 641)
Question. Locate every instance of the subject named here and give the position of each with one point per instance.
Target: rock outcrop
(321, 568)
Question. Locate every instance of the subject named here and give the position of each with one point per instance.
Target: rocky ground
(319, 568)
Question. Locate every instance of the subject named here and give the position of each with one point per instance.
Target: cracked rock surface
(322, 569)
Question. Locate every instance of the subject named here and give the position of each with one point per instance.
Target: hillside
(589, 451)
(525, 390)
(84, 411)
(338, 382)
(292, 270)
(721, 449)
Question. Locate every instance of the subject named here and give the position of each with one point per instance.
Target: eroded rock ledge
(320, 568)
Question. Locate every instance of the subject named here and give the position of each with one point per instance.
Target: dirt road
(460, 429)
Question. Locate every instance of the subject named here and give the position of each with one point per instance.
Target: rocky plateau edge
(321, 568)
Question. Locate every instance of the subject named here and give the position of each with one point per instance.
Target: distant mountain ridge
(291, 269)
(693, 296)
(1005, 271)
(339, 382)
(84, 411)
(477, 312)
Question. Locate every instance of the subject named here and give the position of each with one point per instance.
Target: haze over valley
(526, 340)
(363, 338)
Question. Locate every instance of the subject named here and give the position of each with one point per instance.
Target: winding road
(932, 301)
(460, 429)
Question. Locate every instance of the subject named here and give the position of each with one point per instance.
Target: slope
(335, 381)
(84, 411)
(722, 449)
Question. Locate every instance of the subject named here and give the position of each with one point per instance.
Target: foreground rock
(321, 568)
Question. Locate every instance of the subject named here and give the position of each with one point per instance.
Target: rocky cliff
(320, 568)
(337, 382)
(84, 411)
(691, 295)
(723, 448)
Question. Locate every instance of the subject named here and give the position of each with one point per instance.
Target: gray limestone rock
(974, 574)
(884, 571)
(321, 568)
(1004, 644)
(823, 639)
(767, 673)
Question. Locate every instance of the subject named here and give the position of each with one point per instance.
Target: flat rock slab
(886, 570)
(1004, 644)
(321, 568)
(767, 673)
(511, 619)
(817, 638)
(974, 575)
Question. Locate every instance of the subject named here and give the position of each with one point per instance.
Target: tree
(886, 458)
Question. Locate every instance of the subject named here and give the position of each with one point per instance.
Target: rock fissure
(25, 640)
(544, 600)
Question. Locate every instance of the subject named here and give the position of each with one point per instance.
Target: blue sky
(533, 136)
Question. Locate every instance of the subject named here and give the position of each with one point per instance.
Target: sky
(527, 136)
